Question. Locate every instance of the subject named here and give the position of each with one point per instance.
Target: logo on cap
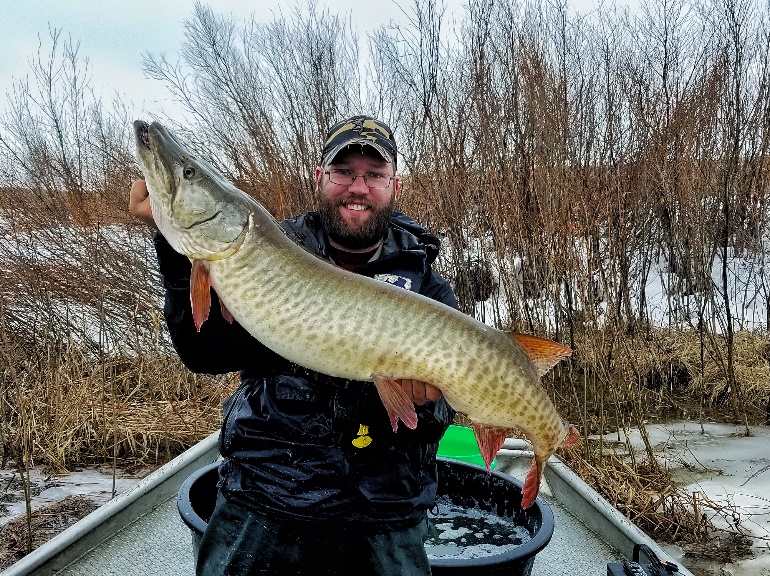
(363, 130)
(363, 127)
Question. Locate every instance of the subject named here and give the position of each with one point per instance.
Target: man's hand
(419, 392)
(139, 203)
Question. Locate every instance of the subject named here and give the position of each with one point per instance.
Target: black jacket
(301, 444)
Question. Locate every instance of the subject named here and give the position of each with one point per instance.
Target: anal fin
(490, 440)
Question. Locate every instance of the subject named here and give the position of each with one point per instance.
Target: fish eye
(189, 171)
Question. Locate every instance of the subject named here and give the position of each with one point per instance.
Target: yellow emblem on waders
(362, 439)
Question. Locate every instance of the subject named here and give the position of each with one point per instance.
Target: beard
(364, 235)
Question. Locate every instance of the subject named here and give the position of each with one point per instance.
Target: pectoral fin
(396, 402)
(200, 293)
(226, 314)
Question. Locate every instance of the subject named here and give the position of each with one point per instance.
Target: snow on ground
(666, 307)
(47, 489)
(733, 470)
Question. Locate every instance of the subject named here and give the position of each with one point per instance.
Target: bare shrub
(262, 95)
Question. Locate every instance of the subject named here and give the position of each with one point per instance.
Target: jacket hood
(421, 237)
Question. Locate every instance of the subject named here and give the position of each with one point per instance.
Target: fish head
(200, 213)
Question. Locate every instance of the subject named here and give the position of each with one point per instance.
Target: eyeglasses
(345, 177)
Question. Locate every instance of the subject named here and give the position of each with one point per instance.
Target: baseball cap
(363, 130)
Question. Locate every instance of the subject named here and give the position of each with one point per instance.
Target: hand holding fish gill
(139, 203)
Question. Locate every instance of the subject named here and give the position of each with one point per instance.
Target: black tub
(463, 484)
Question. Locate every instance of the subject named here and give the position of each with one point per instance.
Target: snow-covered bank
(730, 469)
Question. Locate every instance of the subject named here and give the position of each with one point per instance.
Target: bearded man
(313, 479)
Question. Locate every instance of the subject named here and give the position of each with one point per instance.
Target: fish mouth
(142, 133)
(213, 226)
(158, 152)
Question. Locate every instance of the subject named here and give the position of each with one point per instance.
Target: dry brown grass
(646, 495)
(46, 523)
(620, 381)
(73, 410)
(25, 209)
(666, 374)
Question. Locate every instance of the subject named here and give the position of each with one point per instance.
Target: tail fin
(534, 476)
(572, 437)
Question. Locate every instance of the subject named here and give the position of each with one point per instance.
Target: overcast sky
(115, 34)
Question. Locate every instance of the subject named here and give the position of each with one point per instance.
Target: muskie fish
(363, 329)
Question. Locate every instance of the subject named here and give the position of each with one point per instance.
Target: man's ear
(396, 187)
(318, 173)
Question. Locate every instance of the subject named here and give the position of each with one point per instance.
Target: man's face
(356, 216)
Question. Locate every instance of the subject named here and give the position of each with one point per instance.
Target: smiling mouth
(355, 207)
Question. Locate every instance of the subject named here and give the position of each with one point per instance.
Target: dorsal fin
(543, 353)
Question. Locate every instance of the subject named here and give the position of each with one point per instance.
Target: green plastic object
(459, 443)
